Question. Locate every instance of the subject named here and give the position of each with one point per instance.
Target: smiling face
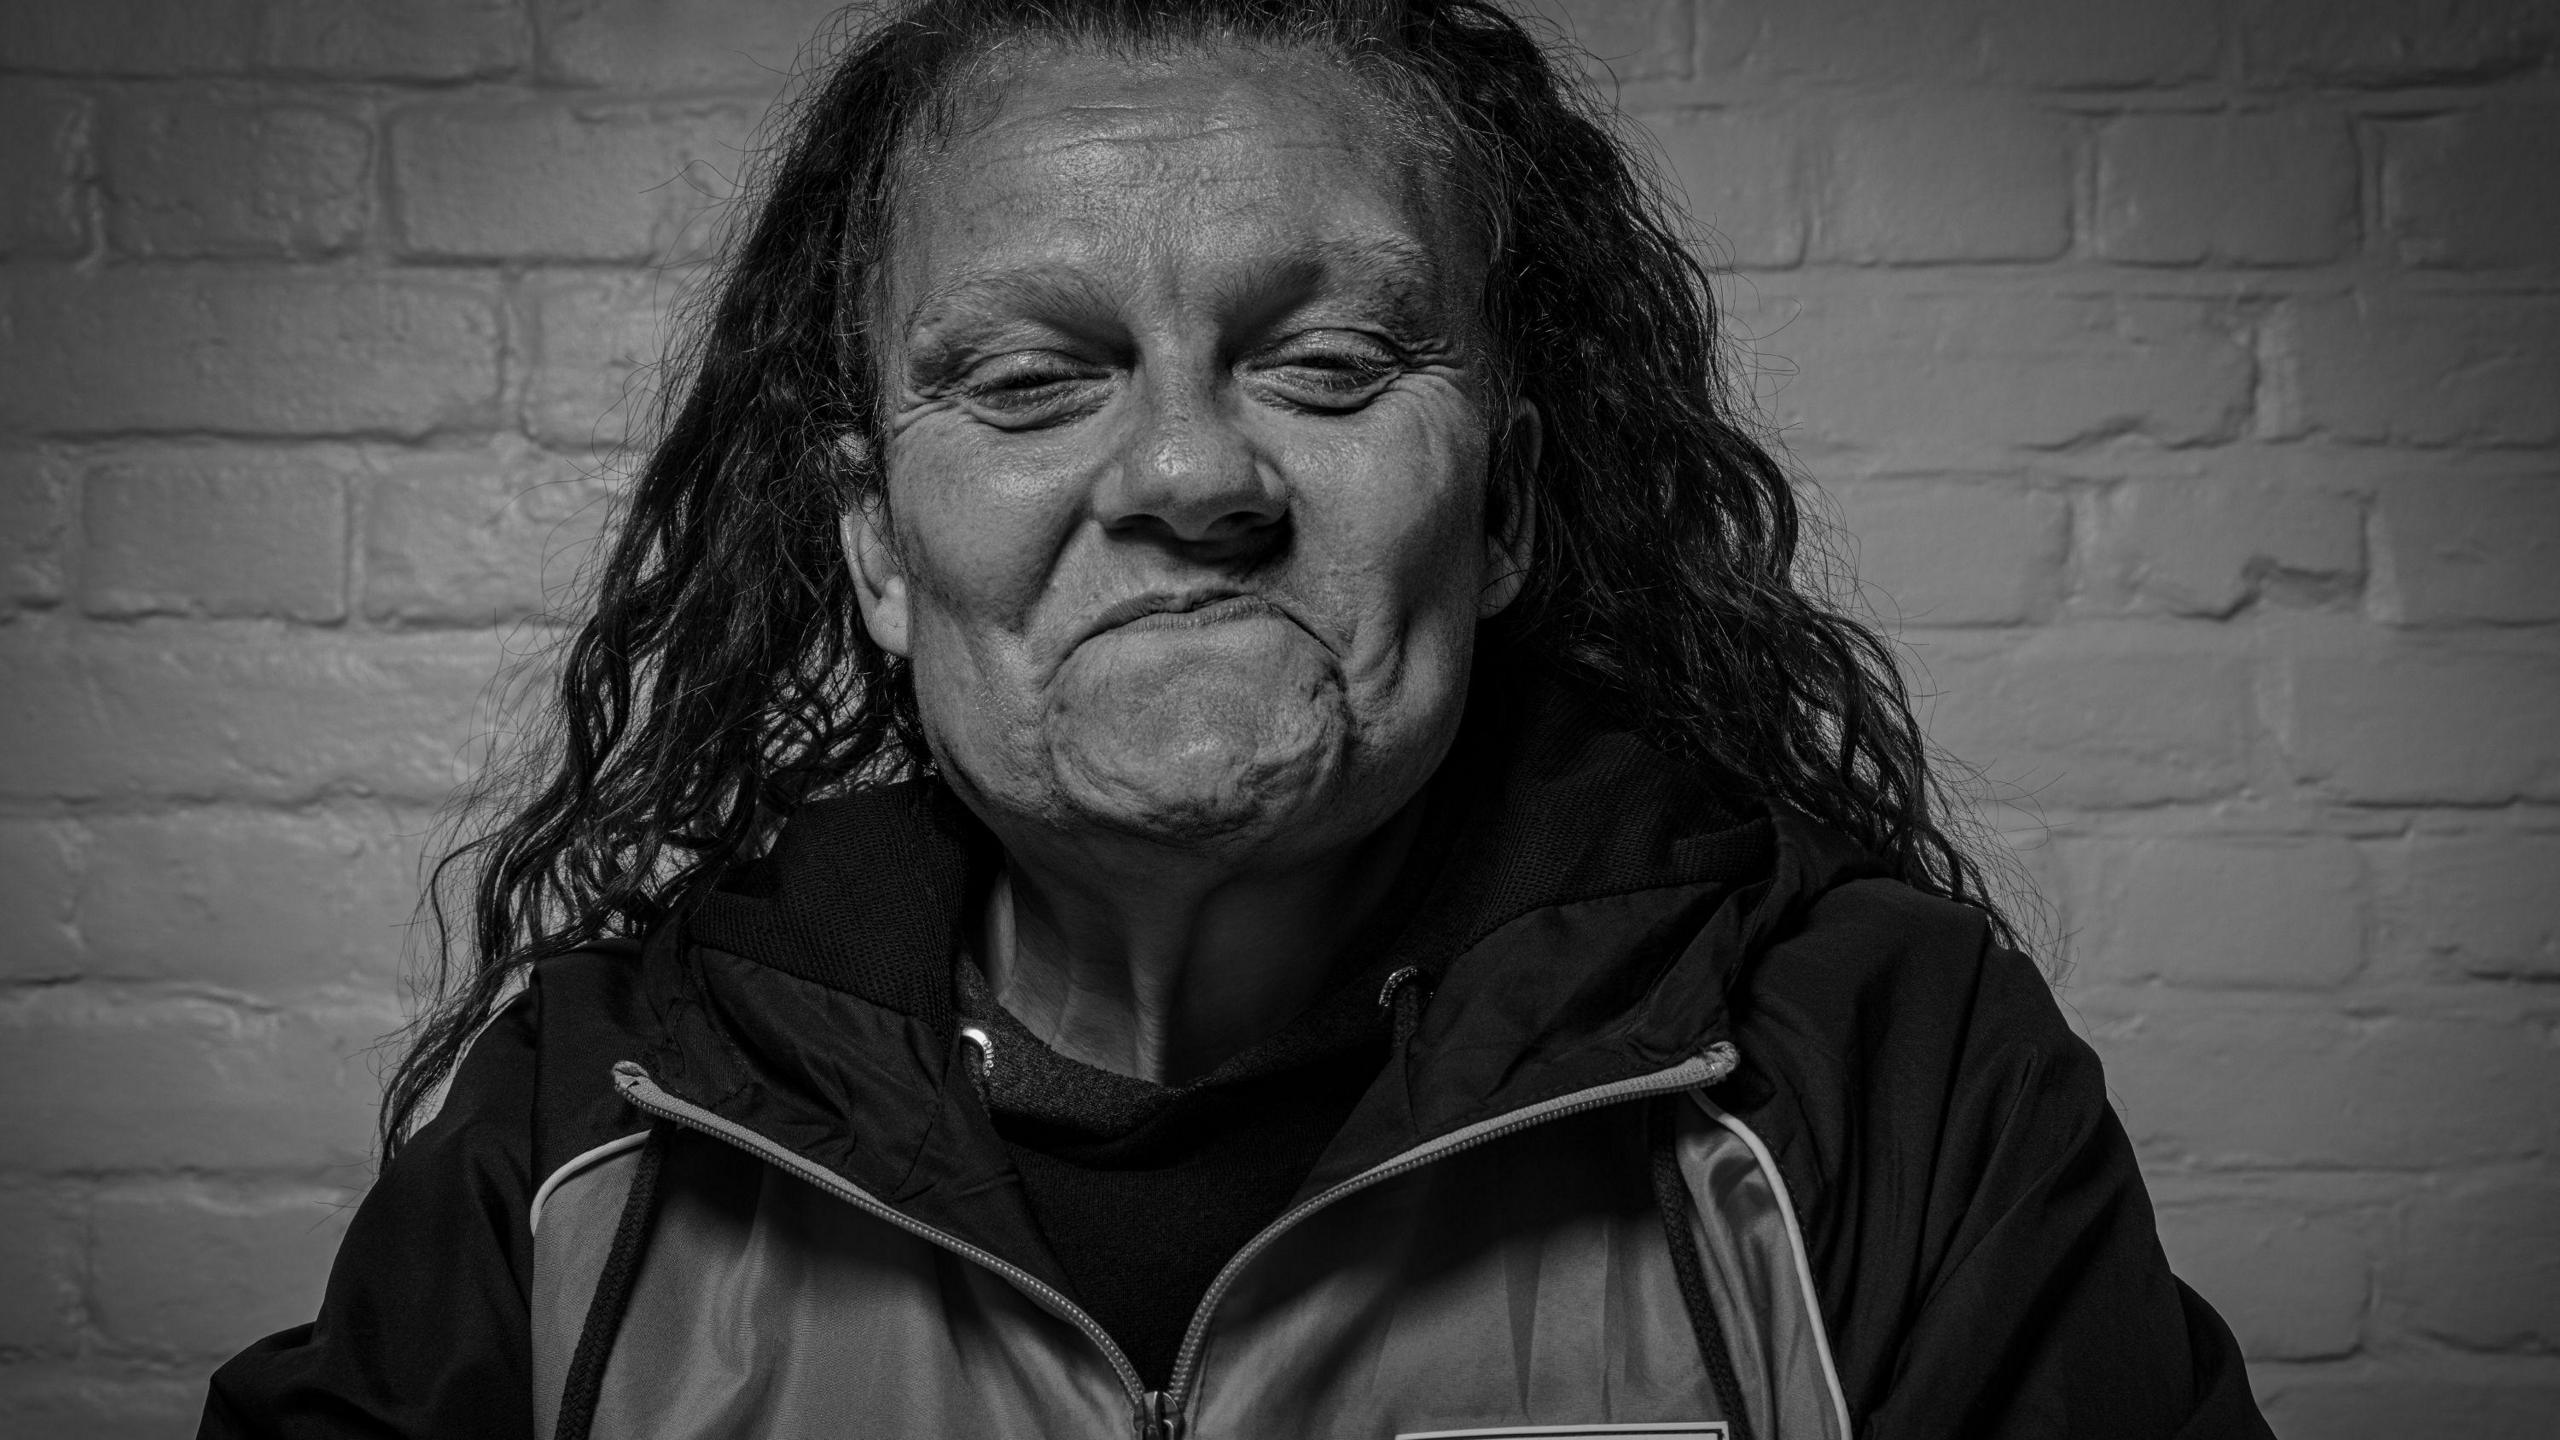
(1185, 529)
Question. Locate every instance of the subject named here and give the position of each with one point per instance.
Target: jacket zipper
(1697, 1072)
(638, 1087)
(1159, 1414)
(1158, 1417)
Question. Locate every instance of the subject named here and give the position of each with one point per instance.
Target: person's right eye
(1031, 387)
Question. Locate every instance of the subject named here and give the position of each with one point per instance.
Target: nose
(1187, 475)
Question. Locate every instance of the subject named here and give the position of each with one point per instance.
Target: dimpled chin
(1187, 738)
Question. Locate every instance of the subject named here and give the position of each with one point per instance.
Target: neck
(1162, 966)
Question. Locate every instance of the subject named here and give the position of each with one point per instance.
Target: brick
(2474, 188)
(2199, 545)
(2093, 714)
(2218, 1084)
(209, 535)
(478, 537)
(2417, 723)
(1743, 174)
(1842, 39)
(2470, 548)
(2217, 911)
(40, 863)
(2424, 369)
(34, 491)
(2258, 189)
(126, 37)
(677, 44)
(2397, 42)
(2292, 1283)
(455, 40)
(601, 339)
(1631, 39)
(2070, 44)
(221, 177)
(226, 352)
(2348, 1406)
(187, 1083)
(186, 714)
(97, 1399)
(1947, 179)
(2082, 44)
(40, 171)
(253, 901)
(2483, 904)
(548, 181)
(39, 1272)
(1912, 377)
(1956, 552)
(195, 1270)
(2483, 1264)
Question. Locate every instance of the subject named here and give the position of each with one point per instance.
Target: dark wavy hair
(723, 676)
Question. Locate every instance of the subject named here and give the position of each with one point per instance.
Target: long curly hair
(722, 676)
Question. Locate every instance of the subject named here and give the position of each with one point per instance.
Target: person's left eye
(1331, 371)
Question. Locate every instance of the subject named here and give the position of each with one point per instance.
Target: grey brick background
(2184, 374)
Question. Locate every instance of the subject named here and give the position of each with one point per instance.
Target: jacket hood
(1592, 904)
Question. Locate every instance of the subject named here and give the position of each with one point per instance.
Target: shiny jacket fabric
(1916, 1213)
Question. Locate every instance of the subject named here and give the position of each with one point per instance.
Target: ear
(1513, 530)
(879, 581)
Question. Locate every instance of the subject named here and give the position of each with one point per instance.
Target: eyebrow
(1392, 268)
(1396, 268)
(975, 297)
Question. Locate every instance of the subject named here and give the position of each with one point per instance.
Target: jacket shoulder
(536, 1083)
(1875, 968)
(592, 1011)
(1984, 1249)
(421, 1329)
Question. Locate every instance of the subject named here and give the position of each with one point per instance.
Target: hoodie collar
(1541, 803)
(1593, 903)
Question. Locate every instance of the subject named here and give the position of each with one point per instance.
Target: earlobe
(879, 582)
(1511, 537)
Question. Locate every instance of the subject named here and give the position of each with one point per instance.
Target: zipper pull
(1721, 1058)
(1157, 1417)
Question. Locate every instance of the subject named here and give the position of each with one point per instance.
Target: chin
(1193, 776)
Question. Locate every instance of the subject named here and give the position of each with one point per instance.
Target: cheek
(1391, 523)
(979, 530)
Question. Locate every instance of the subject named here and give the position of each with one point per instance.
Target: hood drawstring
(1671, 1196)
(1402, 997)
(613, 1293)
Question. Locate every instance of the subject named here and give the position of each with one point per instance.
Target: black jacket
(1980, 1244)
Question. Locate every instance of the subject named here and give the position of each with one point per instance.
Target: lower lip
(1216, 612)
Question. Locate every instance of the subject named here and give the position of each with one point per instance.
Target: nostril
(1188, 472)
(1237, 537)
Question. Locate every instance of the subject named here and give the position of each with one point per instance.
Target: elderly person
(1200, 801)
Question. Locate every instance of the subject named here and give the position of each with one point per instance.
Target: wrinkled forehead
(1197, 166)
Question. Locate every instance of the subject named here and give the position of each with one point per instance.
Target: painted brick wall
(2185, 373)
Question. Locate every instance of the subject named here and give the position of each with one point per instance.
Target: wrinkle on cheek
(984, 530)
(1400, 517)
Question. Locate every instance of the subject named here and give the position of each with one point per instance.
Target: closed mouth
(1191, 610)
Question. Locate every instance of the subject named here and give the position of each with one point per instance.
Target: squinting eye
(1333, 372)
(1028, 386)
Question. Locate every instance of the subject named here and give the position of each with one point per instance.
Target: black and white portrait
(1229, 719)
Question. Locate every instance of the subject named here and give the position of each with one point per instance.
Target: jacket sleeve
(2046, 1305)
(423, 1328)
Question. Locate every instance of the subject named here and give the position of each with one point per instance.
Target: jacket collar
(1593, 904)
